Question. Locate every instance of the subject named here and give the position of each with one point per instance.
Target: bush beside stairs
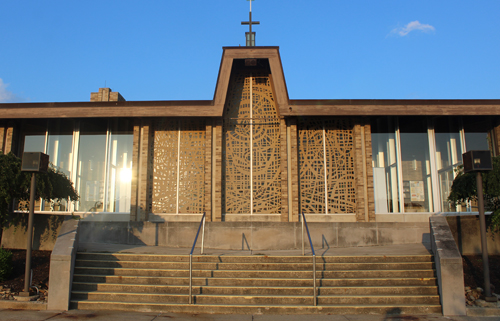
(255, 284)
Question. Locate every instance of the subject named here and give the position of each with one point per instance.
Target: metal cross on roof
(250, 36)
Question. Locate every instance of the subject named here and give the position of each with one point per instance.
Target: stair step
(257, 266)
(251, 258)
(256, 299)
(256, 284)
(253, 281)
(254, 273)
(253, 290)
(253, 309)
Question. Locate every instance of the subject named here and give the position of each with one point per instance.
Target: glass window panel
(91, 167)
(476, 133)
(33, 139)
(59, 149)
(385, 171)
(34, 133)
(120, 167)
(415, 162)
(448, 157)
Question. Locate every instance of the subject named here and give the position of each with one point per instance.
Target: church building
(251, 153)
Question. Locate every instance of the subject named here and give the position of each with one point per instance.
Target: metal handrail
(313, 254)
(202, 222)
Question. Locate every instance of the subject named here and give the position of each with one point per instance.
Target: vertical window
(60, 151)
(415, 165)
(385, 169)
(448, 156)
(91, 169)
(119, 167)
(96, 154)
(476, 133)
(34, 135)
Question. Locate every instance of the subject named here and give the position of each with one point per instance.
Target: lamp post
(34, 163)
(479, 161)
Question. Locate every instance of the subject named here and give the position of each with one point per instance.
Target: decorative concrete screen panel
(179, 162)
(251, 158)
(326, 166)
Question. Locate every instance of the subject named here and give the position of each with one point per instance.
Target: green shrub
(5, 264)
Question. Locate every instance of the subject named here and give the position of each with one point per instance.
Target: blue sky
(52, 51)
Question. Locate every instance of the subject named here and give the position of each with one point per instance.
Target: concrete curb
(11, 304)
(483, 312)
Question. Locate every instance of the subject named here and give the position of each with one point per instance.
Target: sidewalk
(8, 315)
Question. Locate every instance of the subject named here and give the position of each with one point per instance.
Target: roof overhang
(396, 107)
(215, 107)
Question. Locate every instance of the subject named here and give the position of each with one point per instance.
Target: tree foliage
(464, 188)
(15, 185)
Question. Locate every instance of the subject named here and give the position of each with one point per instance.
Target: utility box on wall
(35, 162)
(477, 160)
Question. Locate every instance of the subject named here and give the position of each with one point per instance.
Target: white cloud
(5, 95)
(414, 25)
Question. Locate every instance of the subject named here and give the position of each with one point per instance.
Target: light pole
(479, 161)
(34, 163)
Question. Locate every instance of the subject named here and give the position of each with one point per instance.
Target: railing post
(302, 220)
(190, 278)
(203, 234)
(191, 257)
(314, 279)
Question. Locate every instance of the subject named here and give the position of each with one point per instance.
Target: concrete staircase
(255, 284)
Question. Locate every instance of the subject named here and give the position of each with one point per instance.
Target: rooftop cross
(250, 36)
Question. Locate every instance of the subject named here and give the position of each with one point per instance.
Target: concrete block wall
(467, 235)
(46, 228)
(449, 267)
(255, 235)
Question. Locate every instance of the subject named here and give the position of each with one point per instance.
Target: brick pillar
(496, 139)
(2, 138)
(217, 172)
(8, 139)
(141, 170)
(208, 171)
(294, 202)
(369, 171)
(365, 201)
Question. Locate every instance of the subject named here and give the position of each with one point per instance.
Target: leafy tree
(15, 185)
(464, 188)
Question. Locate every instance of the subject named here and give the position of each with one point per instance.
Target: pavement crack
(55, 315)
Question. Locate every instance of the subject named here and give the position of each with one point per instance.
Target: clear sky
(53, 51)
